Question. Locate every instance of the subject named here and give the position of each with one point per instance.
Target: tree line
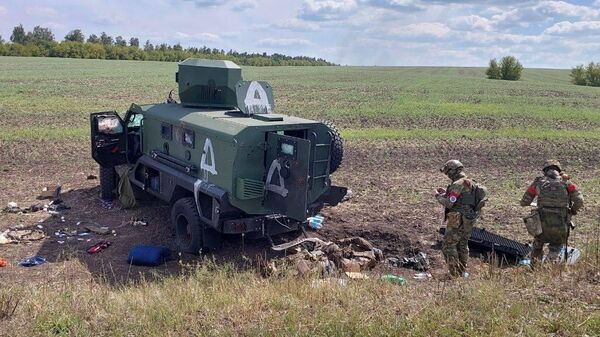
(41, 42)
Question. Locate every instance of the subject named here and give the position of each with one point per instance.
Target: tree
(18, 35)
(510, 68)
(120, 41)
(493, 71)
(134, 42)
(75, 35)
(1, 40)
(578, 75)
(93, 39)
(148, 46)
(593, 74)
(40, 35)
(105, 39)
(177, 47)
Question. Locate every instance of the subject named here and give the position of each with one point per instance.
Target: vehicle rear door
(286, 183)
(109, 138)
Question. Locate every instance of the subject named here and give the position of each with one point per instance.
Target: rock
(350, 265)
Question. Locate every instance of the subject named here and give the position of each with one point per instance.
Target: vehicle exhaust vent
(249, 189)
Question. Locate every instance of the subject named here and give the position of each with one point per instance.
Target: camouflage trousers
(554, 233)
(455, 245)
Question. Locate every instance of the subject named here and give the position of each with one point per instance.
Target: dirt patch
(392, 204)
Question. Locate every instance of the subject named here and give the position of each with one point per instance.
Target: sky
(541, 34)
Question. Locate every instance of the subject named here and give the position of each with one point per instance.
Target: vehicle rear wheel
(188, 226)
(107, 182)
(337, 147)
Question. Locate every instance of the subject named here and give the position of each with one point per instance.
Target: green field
(52, 98)
(400, 124)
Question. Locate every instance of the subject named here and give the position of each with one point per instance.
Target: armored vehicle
(221, 157)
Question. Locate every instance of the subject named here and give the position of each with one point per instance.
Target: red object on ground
(3, 263)
(98, 247)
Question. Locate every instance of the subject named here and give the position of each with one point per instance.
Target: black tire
(337, 147)
(107, 182)
(188, 226)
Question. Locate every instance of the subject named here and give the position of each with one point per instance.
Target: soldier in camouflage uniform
(461, 211)
(557, 200)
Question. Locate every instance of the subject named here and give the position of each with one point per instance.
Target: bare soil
(392, 205)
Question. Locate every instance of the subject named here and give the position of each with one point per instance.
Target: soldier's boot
(537, 253)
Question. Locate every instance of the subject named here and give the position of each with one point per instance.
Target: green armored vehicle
(223, 159)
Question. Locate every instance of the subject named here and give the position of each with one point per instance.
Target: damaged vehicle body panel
(238, 169)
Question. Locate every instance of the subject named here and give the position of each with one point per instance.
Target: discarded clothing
(100, 246)
(126, 196)
(32, 261)
(151, 256)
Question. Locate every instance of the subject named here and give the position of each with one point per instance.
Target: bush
(493, 71)
(510, 68)
(586, 75)
(593, 74)
(578, 75)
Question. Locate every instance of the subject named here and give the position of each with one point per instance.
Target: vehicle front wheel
(188, 226)
(108, 178)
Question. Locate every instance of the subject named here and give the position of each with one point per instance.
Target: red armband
(571, 188)
(532, 190)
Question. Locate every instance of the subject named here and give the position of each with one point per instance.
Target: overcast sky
(553, 34)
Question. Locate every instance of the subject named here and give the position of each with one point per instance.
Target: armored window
(167, 131)
(188, 138)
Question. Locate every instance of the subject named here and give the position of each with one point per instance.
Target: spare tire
(337, 147)
(108, 178)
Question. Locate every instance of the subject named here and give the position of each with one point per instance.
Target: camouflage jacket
(458, 195)
(575, 198)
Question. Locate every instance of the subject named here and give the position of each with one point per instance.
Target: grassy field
(400, 125)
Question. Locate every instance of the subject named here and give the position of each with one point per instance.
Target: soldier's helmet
(552, 162)
(451, 165)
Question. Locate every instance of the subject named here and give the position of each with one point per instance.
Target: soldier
(462, 200)
(557, 200)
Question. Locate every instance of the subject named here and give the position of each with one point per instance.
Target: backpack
(477, 198)
(552, 192)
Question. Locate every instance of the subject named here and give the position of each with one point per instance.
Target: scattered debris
(25, 235)
(399, 280)
(315, 222)
(98, 247)
(417, 261)
(137, 222)
(50, 193)
(12, 207)
(92, 177)
(320, 283)
(107, 204)
(4, 238)
(96, 228)
(422, 276)
(3, 263)
(349, 195)
(356, 276)
(353, 255)
(32, 261)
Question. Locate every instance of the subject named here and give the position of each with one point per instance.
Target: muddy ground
(392, 205)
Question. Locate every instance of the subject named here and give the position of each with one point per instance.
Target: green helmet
(451, 165)
(552, 162)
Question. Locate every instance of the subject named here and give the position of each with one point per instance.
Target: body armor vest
(552, 193)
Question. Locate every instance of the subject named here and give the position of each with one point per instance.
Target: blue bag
(148, 255)
(32, 261)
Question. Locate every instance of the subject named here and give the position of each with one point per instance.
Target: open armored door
(109, 139)
(286, 185)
